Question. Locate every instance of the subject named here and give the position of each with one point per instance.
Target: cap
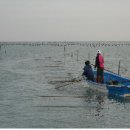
(99, 52)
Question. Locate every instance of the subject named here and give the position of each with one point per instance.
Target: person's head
(87, 62)
(98, 52)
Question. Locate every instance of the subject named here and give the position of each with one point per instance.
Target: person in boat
(99, 64)
(88, 72)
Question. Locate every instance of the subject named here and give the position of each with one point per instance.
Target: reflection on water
(98, 97)
(122, 100)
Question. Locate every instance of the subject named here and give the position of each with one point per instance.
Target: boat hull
(97, 86)
(121, 89)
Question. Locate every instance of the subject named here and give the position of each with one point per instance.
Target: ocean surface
(34, 92)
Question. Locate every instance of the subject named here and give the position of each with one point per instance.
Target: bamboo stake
(119, 67)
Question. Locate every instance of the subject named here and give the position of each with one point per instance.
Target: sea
(38, 90)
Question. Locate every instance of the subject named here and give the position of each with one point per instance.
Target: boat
(114, 84)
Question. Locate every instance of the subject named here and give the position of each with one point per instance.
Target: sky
(64, 20)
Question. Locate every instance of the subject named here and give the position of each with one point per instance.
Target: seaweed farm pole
(103, 54)
(89, 56)
(64, 50)
(0, 52)
(64, 53)
(5, 50)
(119, 67)
(77, 55)
(71, 55)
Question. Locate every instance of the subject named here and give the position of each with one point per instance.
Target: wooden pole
(64, 50)
(119, 67)
(89, 56)
(72, 55)
(64, 53)
(77, 55)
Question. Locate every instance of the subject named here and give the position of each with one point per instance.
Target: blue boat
(114, 84)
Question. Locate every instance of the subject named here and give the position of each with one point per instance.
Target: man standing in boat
(88, 72)
(99, 64)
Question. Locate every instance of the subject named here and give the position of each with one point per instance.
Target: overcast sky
(59, 20)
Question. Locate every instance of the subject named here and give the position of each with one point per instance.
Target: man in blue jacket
(88, 72)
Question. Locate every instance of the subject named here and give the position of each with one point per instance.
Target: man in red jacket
(99, 64)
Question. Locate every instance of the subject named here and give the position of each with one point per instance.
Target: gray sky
(59, 20)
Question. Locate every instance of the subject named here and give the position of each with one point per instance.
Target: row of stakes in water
(95, 44)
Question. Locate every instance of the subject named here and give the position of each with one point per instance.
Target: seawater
(29, 99)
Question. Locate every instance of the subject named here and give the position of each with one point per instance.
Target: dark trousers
(100, 77)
